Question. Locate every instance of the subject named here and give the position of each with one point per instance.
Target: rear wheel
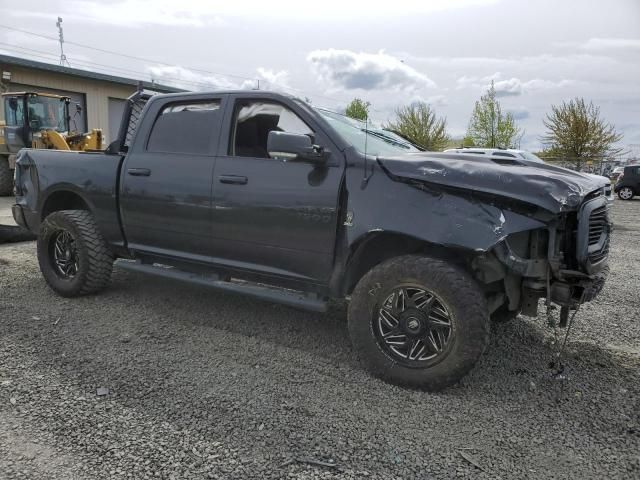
(73, 255)
(626, 193)
(419, 322)
(6, 177)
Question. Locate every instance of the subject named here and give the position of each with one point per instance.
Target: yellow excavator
(38, 120)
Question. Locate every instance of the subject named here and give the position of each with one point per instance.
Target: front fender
(439, 218)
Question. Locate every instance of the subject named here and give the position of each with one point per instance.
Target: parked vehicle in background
(38, 120)
(499, 153)
(260, 193)
(628, 184)
(615, 173)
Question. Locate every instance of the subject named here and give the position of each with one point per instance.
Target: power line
(121, 70)
(110, 69)
(148, 60)
(125, 55)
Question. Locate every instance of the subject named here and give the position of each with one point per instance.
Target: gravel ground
(159, 379)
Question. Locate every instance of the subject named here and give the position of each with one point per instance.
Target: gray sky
(444, 52)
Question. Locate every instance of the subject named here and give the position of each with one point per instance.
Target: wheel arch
(63, 199)
(379, 246)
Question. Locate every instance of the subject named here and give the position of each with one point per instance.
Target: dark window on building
(185, 127)
(254, 121)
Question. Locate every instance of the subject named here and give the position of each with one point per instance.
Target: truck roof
(247, 93)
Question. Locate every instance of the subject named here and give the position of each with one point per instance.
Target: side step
(292, 298)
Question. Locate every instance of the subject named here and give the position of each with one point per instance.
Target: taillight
(17, 189)
(17, 177)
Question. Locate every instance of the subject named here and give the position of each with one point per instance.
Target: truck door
(274, 216)
(165, 197)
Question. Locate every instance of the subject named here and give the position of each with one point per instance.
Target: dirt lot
(201, 384)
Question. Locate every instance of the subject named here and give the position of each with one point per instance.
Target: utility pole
(63, 57)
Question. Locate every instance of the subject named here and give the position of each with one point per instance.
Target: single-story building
(101, 96)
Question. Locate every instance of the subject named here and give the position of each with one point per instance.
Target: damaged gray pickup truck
(262, 194)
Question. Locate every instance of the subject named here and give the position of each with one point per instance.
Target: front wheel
(419, 322)
(73, 256)
(625, 193)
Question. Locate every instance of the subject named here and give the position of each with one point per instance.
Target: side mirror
(291, 146)
(13, 103)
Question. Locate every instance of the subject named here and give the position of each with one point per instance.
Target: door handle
(139, 172)
(233, 179)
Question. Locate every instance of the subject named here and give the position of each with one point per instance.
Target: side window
(253, 122)
(15, 118)
(185, 127)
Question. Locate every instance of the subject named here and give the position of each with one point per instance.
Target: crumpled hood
(553, 188)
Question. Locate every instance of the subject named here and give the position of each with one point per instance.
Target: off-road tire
(504, 315)
(6, 177)
(95, 261)
(625, 198)
(454, 286)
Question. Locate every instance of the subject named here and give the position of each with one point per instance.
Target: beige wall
(97, 92)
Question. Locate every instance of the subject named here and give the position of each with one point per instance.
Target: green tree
(358, 109)
(576, 132)
(418, 123)
(489, 127)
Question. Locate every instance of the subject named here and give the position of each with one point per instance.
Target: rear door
(273, 216)
(166, 178)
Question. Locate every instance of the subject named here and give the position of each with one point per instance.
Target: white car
(521, 154)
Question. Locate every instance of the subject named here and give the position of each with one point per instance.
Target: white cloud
(273, 80)
(513, 86)
(181, 77)
(506, 88)
(602, 44)
(188, 79)
(345, 69)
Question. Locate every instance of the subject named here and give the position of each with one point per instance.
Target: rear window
(185, 127)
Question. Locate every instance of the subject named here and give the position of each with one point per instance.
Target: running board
(291, 298)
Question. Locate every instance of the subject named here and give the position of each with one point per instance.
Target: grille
(598, 234)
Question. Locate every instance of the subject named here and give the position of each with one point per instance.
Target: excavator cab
(29, 115)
